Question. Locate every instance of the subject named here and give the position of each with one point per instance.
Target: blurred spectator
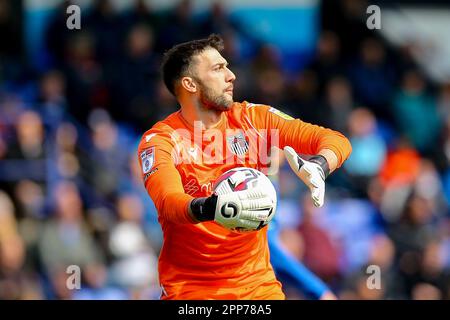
(373, 78)
(301, 98)
(411, 235)
(428, 185)
(401, 166)
(178, 26)
(15, 281)
(217, 20)
(52, 100)
(66, 240)
(67, 154)
(293, 242)
(369, 149)
(142, 13)
(348, 19)
(321, 255)
(135, 264)
(84, 75)
(426, 291)
(269, 87)
(433, 269)
(353, 225)
(97, 287)
(381, 257)
(26, 150)
(165, 103)
(266, 58)
(106, 27)
(29, 142)
(401, 177)
(30, 198)
(338, 104)
(108, 161)
(415, 112)
(327, 63)
(357, 289)
(134, 78)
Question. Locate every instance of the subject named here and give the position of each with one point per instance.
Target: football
(243, 178)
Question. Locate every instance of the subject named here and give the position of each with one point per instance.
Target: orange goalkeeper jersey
(180, 161)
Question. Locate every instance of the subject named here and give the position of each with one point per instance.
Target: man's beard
(214, 101)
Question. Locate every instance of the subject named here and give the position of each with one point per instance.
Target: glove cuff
(204, 209)
(323, 163)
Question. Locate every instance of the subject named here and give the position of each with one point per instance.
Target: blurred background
(74, 103)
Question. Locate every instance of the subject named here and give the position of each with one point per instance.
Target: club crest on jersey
(238, 144)
(147, 159)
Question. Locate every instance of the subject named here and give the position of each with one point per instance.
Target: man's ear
(189, 84)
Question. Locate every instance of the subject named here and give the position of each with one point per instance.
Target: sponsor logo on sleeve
(147, 175)
(147, 159)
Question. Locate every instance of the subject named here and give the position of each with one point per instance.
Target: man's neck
(209, 118)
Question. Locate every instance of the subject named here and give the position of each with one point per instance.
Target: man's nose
(230, 76)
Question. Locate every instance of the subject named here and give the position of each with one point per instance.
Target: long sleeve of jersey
(304, 137)
(161, 178)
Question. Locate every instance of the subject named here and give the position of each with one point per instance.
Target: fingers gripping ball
(256, 196)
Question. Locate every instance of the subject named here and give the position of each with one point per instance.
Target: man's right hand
(240, 209)
(310, 172)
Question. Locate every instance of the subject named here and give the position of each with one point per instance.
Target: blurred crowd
(70, 186)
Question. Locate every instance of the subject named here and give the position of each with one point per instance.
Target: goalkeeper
(201, 258)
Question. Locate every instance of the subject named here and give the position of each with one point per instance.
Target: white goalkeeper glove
(246, 209)
(312, 172)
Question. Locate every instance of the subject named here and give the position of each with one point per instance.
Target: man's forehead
(210, 57)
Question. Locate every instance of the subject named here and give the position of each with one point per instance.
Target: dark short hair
(178, 59)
